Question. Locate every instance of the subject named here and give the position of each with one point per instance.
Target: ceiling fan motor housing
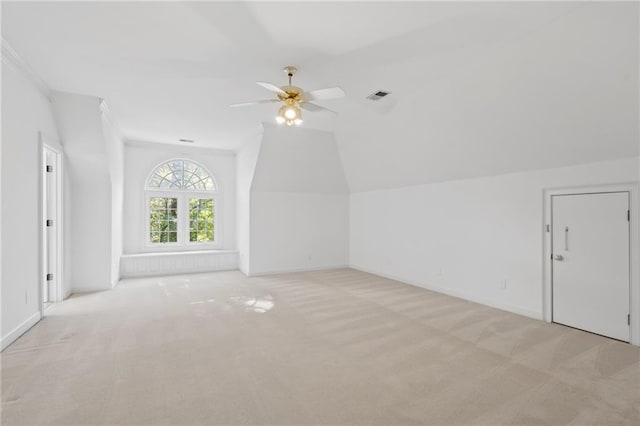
(293, 94)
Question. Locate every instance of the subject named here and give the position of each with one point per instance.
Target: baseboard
(293, 270)
(76, 290)
(13, 335)
(492, 303)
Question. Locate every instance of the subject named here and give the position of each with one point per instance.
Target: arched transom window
(180, 175)
(181, 202)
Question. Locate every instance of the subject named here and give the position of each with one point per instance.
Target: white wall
(90, 216)
(114, 142)
(142, 157)
(299, 160)
(466, 237)
(246, 160)
(25, 112)
(299, 207)
(297, 231)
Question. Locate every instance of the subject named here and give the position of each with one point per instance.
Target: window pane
(155, 181)
(208, 184)
(195, 184)
(163, 219)
(156, 202)
(165, 183)
(201, 224)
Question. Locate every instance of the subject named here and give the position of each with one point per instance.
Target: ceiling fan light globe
(290, 113)
(280, 119)
(297, 121)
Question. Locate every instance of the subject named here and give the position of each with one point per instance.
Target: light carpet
(331, 347)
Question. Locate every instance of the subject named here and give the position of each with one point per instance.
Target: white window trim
(183, 220)
(164, 194)
(183, 195)
(200, 244)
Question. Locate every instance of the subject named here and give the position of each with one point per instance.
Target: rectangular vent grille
(186, 140)
(376, 96)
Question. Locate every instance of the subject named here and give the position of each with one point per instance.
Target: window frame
(183, 225)
(188, 218)
(159, 194)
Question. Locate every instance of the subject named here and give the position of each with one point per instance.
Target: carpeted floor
(331, 347)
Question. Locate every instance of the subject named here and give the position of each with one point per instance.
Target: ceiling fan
(295, 99)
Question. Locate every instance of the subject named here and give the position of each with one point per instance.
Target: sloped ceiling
(566, 93)
(477, 88)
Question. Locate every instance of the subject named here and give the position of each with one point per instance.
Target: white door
(50, 224)
(590, 266)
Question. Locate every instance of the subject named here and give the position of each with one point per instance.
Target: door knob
(558, 257)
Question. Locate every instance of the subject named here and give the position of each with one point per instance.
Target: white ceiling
(477, 88)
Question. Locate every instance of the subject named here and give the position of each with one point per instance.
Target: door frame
(51, 144)
(634, 279)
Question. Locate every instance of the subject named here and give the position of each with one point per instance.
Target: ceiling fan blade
(310, 106)
(262, 101)
(324, 94)
(271, 87)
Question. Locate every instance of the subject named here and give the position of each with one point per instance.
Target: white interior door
(50, 200)
(590, 266)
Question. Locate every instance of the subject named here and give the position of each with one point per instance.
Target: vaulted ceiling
(477, 88)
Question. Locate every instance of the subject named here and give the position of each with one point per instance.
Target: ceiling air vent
(376, 96)
(186, 140)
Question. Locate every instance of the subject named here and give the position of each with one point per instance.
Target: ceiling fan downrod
(290, 70)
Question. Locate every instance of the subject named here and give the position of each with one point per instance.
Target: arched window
(181, 175)
(181, 203)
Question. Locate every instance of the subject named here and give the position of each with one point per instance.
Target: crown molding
(12, 59)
